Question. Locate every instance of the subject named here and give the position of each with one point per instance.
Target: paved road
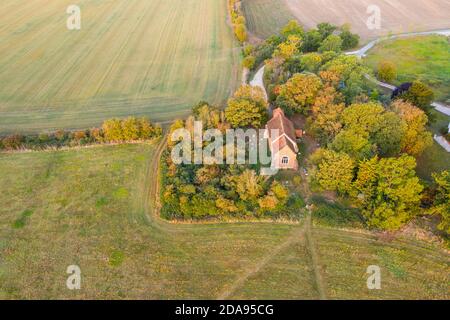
(258, 81)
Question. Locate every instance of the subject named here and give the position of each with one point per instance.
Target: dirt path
(320, 284)
(297, 236)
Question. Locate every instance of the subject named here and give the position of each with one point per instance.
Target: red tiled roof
(285, 127)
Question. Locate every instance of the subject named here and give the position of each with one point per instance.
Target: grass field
(425, 57)
(397, 16)
(131, 57)
(266, 17)
(91, 207)
(434, 159)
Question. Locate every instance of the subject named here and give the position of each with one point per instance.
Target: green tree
(326, 29)
(441, 204)
(241, 32)
(247, 108)
(333, 171)
(349, 40)
(249, 62)
(248, 185)
(311, 62)
(351, 75)
(416, 138)
(419, 95)
(388, 191)
(292, 28)
(331, 43)
(387, 71)
(311, 41)
(299, 92)
(112, 130)
(354, 143)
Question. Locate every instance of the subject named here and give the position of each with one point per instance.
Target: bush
(387, 71)
(249, 62)
(13, 142)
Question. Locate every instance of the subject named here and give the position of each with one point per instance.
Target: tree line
(112, 130)
(237, 20)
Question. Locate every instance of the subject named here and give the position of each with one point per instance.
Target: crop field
(92, 208)
(131, 57)
(266, 17)
(397, 16)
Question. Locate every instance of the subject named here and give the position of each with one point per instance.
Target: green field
(424, 57)
(434, 159)
(266, 17)
(131, 57)
(93, 207)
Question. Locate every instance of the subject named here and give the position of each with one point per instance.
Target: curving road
(363, 51)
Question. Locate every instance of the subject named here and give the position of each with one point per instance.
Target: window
(285, 160)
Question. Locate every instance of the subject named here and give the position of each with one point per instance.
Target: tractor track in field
(297, 236)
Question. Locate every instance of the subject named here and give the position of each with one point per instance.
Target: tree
(248, 185)
(13, 142)
(387, 71)
(349, 40)
(354, 143)
(312, 41)
(311, 62)
(289, 48)
(333, 171)
(388, 134)
(112, 130)
(240, 32)
(362, 117)
(368, 125)
(326, 114)
(249, 62)
(420, 95)
(331, 43)
(416, 138)
(326, 29)
(247, 108)
(292, 28)
(441, 204)
(299, 92)
(388, 191)
(130, 129)
(351, 73)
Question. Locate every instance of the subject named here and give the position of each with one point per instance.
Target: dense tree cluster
(112, 130)
(370, 157)
(369, 142)
(293, 42)
(220, 191)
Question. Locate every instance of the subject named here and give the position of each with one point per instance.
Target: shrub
(13, 142)
(249, 62)
(387, 71)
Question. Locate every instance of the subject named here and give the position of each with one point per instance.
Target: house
(282, 138)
